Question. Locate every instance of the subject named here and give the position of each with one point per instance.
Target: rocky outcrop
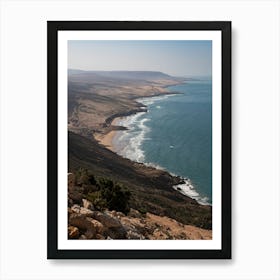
(81, 210)
(84, 223)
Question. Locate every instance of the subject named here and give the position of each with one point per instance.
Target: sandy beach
(107, 138)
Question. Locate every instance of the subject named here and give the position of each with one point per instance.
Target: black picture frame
(53, 27)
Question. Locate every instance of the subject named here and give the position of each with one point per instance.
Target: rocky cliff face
(85, 222)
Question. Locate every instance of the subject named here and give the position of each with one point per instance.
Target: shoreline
(186, 188)
(106, 139)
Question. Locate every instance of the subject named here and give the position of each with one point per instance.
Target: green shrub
(110, 195)
(116, 197)
(97, 200)
(84, 177)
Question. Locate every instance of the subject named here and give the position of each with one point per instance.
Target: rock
(134, 235)
(91, 226)
(86, 212)
(98, 226)
(106, 220)
(80, 221)
(120, 214)
(86, 224)
(116, 233)
(113, 213)
(76, 208)
(81, 210)
(73, 232)
(90, 234)
(134, 213)
(87, 204)
(100, 237)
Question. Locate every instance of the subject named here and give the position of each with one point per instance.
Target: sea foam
(129, 142)
(189, 190)
(151, 100)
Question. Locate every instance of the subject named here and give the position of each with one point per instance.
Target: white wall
(255, 139)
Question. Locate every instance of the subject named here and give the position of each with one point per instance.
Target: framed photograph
(139, 140)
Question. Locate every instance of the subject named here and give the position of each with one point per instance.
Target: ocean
(175, 135)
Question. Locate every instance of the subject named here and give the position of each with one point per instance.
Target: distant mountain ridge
(133, 75)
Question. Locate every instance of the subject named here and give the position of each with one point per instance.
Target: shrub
(111, 196)
(84, 177)
(116, 197)
(97, 200)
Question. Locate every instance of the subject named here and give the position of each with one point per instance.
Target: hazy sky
(170, 57)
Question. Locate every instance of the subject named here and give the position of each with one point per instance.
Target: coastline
(112, 122)
(186, 188)
(95, 119)
(106, 139)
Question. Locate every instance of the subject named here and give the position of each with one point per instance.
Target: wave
(188, 189)
(151, 100)
(129, 142)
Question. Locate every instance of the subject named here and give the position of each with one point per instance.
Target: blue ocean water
(176, 135)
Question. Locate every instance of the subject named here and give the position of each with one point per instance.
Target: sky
(177, 58)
